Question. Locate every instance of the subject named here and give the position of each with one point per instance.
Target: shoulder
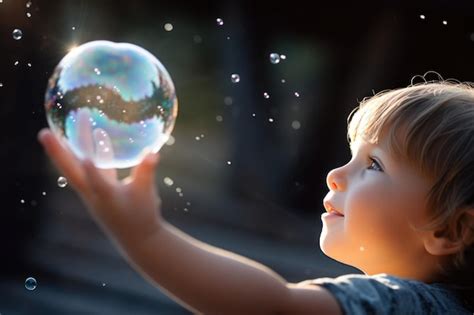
(385, 294)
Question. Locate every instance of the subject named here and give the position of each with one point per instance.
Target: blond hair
(430, 126)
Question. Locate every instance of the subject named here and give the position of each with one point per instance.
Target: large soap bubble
(112, 102)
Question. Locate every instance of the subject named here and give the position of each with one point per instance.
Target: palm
(121, 206)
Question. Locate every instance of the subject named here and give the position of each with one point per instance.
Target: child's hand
(129, 209)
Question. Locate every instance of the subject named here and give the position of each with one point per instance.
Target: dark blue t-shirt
(383, 295)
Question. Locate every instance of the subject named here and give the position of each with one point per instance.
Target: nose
(336, 179)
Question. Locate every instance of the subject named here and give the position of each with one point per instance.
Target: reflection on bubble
(219, 21)
(112, 102)
(30, 283)
(274, 58)
(62, 181)
(17, 34)
(235, 78)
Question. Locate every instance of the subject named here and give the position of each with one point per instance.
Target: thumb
(143, 175)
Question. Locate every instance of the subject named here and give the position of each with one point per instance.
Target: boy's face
(381, 201)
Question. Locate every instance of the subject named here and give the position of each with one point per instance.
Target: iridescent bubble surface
(112, 102)
(17, 34)
(30, 283)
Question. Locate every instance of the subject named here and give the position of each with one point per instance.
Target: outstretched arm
(201, 277)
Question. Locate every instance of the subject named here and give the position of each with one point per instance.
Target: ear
(451, 239)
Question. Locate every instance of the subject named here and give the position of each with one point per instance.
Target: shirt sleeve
(387, 295)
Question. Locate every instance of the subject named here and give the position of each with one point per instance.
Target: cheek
(371, 217)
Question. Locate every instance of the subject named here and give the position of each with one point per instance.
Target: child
(401, 210)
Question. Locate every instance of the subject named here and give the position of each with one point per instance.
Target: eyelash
(373, 161)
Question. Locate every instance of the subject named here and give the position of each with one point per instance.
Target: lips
(331, 209)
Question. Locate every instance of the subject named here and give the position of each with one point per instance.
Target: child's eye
(377, 165)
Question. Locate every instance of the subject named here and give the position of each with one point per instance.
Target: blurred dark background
(266, 203)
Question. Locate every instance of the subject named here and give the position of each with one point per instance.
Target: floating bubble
(295, 124)
(235, 78)
(297, 94)
(28, 14)
(283, 57)
(445, 22)
(228, 100)
(17, 34)
(28, 4)
(168, 27)
(274, 58)
(168, 181)
(266, 95)
(219, 21)
(1, 84)
(422, 17)
(112, 102)
(30, 283)
(62, 181)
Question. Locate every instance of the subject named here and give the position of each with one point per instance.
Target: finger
(98, 183)
(143, 175)
(64, 160)
(104, 152)
(85, 139)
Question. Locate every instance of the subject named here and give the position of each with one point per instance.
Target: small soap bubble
(283, 57)
(295, 124)
(445, 22)
(171, 140)
(17, 34)
(44, 193)
(197, 39)
(28, 4)
(253, 115)
(62, 181)
(188, 203)
(73, 28)
(219, 118)
(235, 78)
(274, 58)
(228, 37)
(22, 200)
(297, 94)
(270, 119)
(197, 138)
(168, 181)
(178, 189)
(28, 14)
(16, 63)
(168, 27)
(180, 194)
(228, 100)
(1, 84)
(219, 21)
(229, 162)
(266, 95)
(117, 93)
(283, 80)
(422, 16)
(103, 284)
(29, 64)
(30, 283)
